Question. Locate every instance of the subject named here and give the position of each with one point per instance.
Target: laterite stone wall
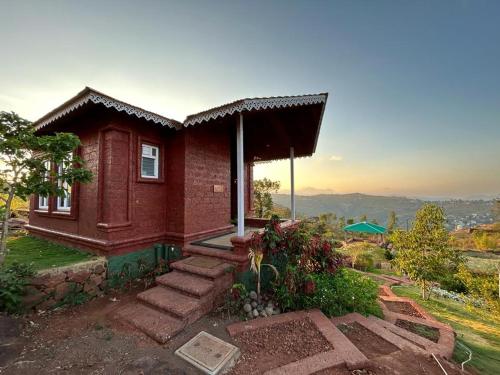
(49, 288)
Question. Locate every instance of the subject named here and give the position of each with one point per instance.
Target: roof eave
(256, 104)
(90, 95)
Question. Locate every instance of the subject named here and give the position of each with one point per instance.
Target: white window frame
(43, 202)
(156, 158)
(63, 203)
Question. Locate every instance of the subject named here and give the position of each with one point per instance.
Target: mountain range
(378, 207)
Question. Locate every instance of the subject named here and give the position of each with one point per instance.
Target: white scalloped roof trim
(109, 103)
(254, 104)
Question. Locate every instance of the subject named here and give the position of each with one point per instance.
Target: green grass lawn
(42, 254)
(478, 330)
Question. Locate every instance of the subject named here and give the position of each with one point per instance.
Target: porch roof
(272, 125)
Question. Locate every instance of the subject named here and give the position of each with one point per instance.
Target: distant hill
(378, 207)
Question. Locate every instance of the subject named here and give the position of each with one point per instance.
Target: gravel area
(270, 347)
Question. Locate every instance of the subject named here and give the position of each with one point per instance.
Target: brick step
(223, 255)
(183, 307)
(186, 283)
(209, 273)
(159, 326)
(420, 341)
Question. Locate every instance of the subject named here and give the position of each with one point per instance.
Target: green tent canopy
(365, 227)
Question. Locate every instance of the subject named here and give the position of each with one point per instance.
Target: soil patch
(427, 332)
(276, 345)
(368, 342)
(404, 308)
(88, 340)
(342, 370)
(404, 361)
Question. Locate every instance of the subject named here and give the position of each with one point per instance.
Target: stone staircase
(195, 286)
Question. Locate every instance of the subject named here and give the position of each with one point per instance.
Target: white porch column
(292, 184)
(240, 175)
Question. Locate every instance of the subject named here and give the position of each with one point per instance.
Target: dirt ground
(297, 339)
(369, 343)
(88, 340)
(402, 308)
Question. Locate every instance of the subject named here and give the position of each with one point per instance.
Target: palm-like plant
(256, 257)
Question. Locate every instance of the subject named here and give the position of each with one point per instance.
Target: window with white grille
(149, 161)
(43, 201)
(64, 201)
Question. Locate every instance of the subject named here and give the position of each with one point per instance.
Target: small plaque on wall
(218, 188)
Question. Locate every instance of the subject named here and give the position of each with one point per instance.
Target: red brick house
(161, 181)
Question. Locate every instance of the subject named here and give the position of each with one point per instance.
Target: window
(43, 202)
(64, 201)
(149, 161)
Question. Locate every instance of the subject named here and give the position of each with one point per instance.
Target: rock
(78, 277)
(99, 269)
(270, 304)
(97, 279)
(263, 314)
(254, 304)
(260, 308)
(31, 300)
(269, 310)
(91, 288)
(247, 307)
(47, 304)
(255, 313)
(253, 295)
(277, 311)
(250, 315)
(61, 290)
(247, 300)
(48, 281)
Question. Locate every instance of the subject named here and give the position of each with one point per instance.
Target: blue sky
(414, 106)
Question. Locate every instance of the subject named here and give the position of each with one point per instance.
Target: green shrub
(13, 280)
(483, 287)
(365, 262)
(335, 294)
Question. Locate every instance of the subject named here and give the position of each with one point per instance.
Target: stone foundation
(50, 288)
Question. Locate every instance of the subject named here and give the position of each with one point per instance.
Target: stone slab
(186, 283)
(159, 326)
(209, 353)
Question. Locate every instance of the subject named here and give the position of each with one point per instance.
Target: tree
(27, 165)
(362, 218)
(263, 201)
(424, 252)
(392, 221)
(281, 211)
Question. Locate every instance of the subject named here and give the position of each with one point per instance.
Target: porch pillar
(240, 175)
(292, 184)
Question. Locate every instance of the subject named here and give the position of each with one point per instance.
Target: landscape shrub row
(312, 272)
